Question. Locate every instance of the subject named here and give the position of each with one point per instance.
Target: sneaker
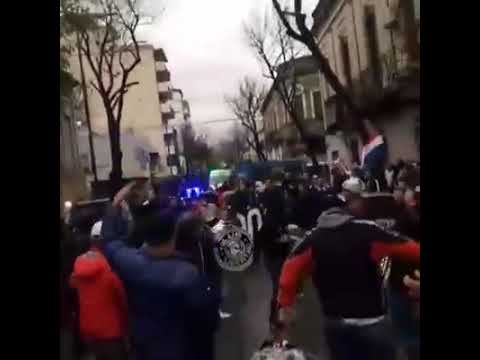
(224, 315)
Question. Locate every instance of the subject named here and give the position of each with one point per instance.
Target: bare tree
(195, 149)
(230, 150)
(304, 35)
(277, 52)
(112, 51)
(246, 106)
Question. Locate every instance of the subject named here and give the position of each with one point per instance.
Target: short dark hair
(154, 226)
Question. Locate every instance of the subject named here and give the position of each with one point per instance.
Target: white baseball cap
(96, 229)
(354, 185)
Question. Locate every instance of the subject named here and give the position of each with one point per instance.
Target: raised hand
(413, 285)
(122, 194)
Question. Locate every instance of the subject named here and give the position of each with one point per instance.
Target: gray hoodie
(333, 218)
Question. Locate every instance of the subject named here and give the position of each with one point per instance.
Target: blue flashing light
(193, 192)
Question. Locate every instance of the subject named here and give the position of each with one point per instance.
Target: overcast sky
(206, 50)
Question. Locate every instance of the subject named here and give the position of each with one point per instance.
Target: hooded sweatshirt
(102, 299)
(343, 254)
(173, 307)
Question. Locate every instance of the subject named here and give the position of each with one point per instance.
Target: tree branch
(285, 22)
(122, 90)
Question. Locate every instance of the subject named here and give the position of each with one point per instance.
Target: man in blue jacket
(171, 305)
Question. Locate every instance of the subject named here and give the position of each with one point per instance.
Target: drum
(234, 247)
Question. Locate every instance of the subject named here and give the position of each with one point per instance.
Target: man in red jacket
(103, 304)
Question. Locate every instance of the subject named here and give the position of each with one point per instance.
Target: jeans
(371, 342)
(67, 345)
(406, 327)
(274, 264)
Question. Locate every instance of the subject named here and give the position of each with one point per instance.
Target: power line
(213, 121)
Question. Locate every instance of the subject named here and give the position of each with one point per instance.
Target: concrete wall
(399, 130)
(136, 147)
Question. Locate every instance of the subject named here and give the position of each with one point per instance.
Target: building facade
(145, 118)
(73, 184)
(173, 137)
(373, 47)
(282, 139)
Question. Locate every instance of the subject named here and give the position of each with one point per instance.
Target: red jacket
(102, 298)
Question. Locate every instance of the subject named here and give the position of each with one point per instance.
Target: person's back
(103, 312)
(343, 255)
(103, 307)
(170, 304)
(162, 306)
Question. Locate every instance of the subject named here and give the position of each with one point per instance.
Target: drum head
(234, 247)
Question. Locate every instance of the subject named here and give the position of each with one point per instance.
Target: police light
(193, 192)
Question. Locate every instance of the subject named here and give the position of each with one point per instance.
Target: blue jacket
(173, 310)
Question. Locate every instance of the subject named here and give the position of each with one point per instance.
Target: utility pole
(93, 161)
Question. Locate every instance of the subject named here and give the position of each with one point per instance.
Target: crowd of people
(149, 285)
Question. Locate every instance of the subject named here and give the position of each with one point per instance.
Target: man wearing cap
(342, 254)
(103, 302)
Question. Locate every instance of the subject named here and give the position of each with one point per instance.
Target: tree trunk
(116, 173)
(259, 148)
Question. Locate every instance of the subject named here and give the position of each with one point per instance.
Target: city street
(248, 299)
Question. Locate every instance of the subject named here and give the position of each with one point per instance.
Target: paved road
(248, 298)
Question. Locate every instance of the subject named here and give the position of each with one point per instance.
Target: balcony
(164, 96)
(159, 55)
(289, 136)
(163, 76)
(169, 138)
(173, 160)
(166, 116)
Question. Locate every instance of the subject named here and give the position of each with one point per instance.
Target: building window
(299, 107)
(317, 105)
(345, 54)
(372, 44)
(335, 155)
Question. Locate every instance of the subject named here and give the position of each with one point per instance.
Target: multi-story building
(145, 118)
(173, 137)
(373, 47)
(282, 139)
(73, 185)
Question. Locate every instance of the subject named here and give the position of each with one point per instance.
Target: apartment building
(282, 139)
(73, 185)
(145, 117)
(173, 137)
(373, 47)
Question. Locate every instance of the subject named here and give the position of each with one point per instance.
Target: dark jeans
(109, 349)
(274, 264)
(372, 342)
(406, 326)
